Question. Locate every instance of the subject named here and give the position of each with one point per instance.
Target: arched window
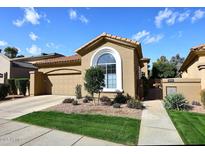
(110, 61)
(108, 64)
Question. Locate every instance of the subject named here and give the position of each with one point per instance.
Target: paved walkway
(15, 133)
(18, 107)
(156, 126)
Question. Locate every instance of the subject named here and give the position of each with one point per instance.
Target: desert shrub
(78, 93)
(120, 98)
(75, 102)
(105, 100)
(134, 104)
(4, 90)
(89, 98)
(128, 97)
(12, 86)
(22, 85)
(196, 103)
(85, 100)
(68, 100)
(116, 105)
(176, 102)
(202, 93)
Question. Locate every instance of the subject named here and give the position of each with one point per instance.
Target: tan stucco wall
(190, 88)
(128, 67)
(193, 71)
(5, 68)
(37, 83)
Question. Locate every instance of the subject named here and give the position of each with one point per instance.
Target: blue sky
(162, 31)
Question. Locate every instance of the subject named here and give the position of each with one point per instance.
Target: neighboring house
(121, 59)
(20, 67)
(194, 65)
(193, 76)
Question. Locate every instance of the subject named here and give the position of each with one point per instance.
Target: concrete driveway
(20, 134)
(18, 107)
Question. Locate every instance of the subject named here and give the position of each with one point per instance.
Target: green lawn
(116, 129)
(191, 126)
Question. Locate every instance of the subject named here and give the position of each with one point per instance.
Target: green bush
(105, 100)
(89, 98)
(176, 102)
(120, 98)
(202, 93)
(68, 100)
(78, 93)
(75, 102)
(4, 90)
(134, 104)
(85, 100)
(12, 86)
(22, 85)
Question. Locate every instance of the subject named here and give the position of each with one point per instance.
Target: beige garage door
(64, 84)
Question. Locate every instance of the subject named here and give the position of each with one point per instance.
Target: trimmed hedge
(4, 90)
(12, 86)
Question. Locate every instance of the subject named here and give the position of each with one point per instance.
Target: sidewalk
(20, 134)
(156, 126)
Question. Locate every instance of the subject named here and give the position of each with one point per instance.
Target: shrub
(68, 100)
(75, 102)
(175, 101)
(105, 100)
(22, 85)
(85, 100)
(89, 98)
(4, 90)
(196, 103)
(12, 86)
(78, 91)
(128, 97)
(134, 104)
(116, 105)
(120, 98)
(202, 93)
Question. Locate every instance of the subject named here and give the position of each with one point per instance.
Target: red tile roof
(73, 58)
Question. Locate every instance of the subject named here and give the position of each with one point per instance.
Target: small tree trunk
(98, 97)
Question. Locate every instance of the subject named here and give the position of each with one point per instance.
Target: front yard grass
(191, 126)
(115, 129)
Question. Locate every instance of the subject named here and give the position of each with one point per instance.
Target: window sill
(106, 90)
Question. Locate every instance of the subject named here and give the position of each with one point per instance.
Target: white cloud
(33, 36)
(172, 19)
(83, 19)
(183, 16)
(34, 50)
(3, 43)
(146, 37)
(162, 15)
(52, 45)
(140, 35)
(153, 39)
(30, 16)
(73, 14)
(198, 14)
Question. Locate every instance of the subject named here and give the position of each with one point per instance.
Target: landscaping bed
(91, 108)
(191, 126)
(115, 129)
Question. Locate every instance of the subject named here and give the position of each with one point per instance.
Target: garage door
(64, 84)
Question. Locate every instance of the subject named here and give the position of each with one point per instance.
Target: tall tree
(177, 61)
(162, 68)
(11, 52)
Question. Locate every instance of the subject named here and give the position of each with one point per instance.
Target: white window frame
(116, 55)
